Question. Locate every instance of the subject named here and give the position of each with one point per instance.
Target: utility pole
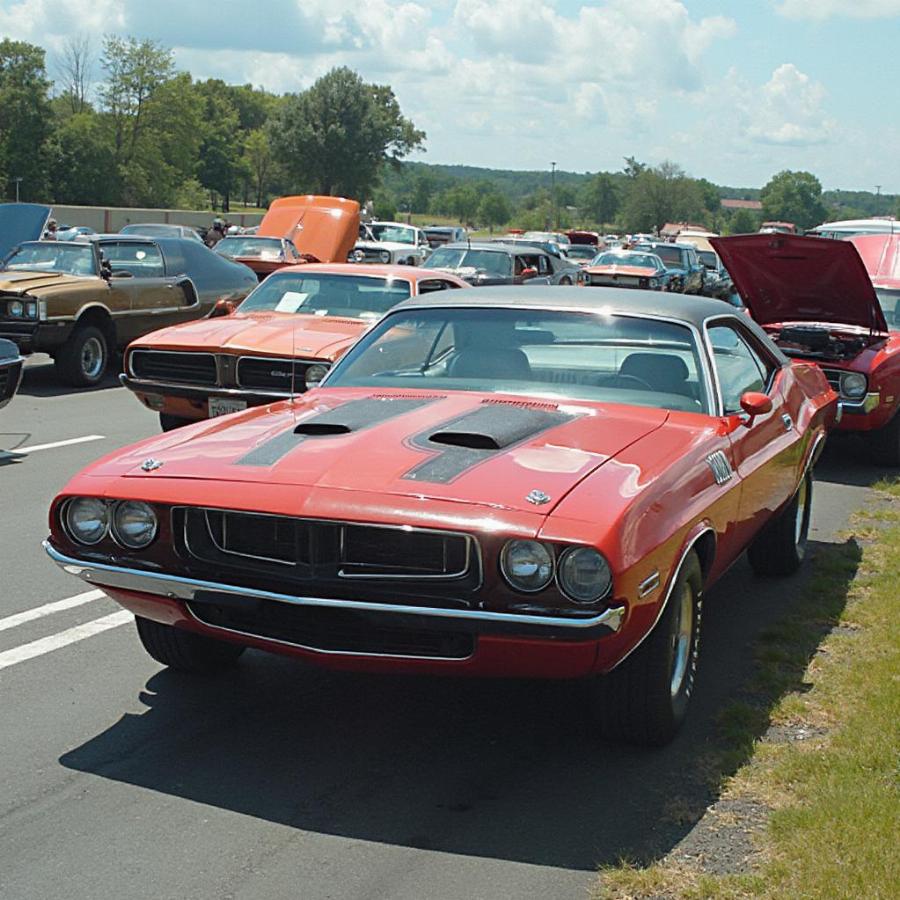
(877, 199)
(18, 181)
(553, 194)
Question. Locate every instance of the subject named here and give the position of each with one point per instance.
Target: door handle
(788, 422)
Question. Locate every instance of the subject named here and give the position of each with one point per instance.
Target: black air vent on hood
(322, 429)
(465, 439)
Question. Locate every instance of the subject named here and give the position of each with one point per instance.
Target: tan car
(82, 301)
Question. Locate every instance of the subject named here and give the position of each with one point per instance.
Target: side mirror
(529, 272)
(754, 404)
(222, 307)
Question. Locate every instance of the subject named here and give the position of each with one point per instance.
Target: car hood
(788, 278)
(881, 256)
(42, 283)
(269, 334)
(478, 449)
(322, 228)
(21, 222)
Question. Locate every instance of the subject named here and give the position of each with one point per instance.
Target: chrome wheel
(681, 638)
(802, 503)
(92, 358)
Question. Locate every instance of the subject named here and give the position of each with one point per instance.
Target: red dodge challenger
(508, 481)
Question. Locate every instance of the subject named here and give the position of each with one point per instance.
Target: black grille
(834, 378)
(334, 630)
(9, 380)
(367, 254)
(184, 368)
(271, 374)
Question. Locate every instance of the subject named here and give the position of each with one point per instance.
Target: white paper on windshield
(291, 301)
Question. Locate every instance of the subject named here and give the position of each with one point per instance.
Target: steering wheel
(626, 381)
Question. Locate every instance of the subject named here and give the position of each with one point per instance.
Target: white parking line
(29, 615)
(54, 445)
(64, 638)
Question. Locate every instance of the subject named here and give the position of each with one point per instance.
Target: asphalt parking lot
(278, 780)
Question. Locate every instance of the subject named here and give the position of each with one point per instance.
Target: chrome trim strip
(179, 588)
(648, 585)
(142, 385)
(670, 587)
(283, 643)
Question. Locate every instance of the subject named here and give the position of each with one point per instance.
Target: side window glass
(139, 259)
(428, 287)
(739, 366)
(543, 265)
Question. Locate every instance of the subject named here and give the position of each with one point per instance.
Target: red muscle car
(509, 481)
(626, 268)
(278, 342)
(817, 301)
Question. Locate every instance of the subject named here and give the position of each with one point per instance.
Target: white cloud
(820, 10)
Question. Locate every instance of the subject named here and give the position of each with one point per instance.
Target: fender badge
(538, 498)
(148, 465)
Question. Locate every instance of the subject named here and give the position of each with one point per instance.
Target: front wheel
(83, 359)
(184, 650)
(565, 280)
(645, 699)
(780, 547)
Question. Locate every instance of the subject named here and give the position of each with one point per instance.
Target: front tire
(780, 547)
(82, 361)
(645, 699)
(184, 650)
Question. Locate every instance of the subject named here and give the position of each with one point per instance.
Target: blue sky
(732, 91)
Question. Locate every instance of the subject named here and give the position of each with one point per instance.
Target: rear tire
(83, 359)
(780, 547)
(168, 422)
(645, 699)
(184, 650)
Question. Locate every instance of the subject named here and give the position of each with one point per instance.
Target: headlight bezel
(566, 557)
(385, 256)
(518, 585)
(15, 309)
(66, 518)
(857, 396)
(325, 367)
(116, 529)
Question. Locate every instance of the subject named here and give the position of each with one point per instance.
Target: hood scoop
(322, 429)
(467, 439)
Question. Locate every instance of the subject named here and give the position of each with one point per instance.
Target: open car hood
(788, 278)
(881, 256)
(266, 334)
(323, 228)
(473, 448)
(21, 222)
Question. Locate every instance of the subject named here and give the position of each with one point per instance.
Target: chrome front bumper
(175, 587)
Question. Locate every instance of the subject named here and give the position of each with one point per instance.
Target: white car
(390, 243)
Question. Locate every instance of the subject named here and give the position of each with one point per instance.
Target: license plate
(219, 406)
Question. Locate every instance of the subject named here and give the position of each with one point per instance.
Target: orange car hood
(322, 228)
(362, 440)
(263, 333)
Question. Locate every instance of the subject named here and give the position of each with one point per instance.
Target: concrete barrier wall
(111, 219)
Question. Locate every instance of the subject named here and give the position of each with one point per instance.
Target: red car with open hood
(816, 299)
(507, 481)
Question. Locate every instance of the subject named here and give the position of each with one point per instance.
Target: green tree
(600, 199)
(662, 194)
(633, 168)
(25, 119)
(222, 166)
(82, 165)
(463, 202)
(334, 137)
(743, 221)
(258, 158)
(794, 197)
(384, 206)
(493, 210)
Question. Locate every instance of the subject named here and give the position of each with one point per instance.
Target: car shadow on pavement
(41, 380)
(846, 461)
(505, 770)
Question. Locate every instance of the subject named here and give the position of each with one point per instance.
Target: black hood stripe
(500, 427)
(356, 415)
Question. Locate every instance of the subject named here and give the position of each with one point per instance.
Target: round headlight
(16, 308)
(134, 524)
(853, 385)
(31, 310)
(584, 575)
(358, 255)
(527, 565)
(314, 374)
(87, 520)
(385, 256)
(654, 282)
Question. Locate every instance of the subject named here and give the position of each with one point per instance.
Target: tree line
(146, 134)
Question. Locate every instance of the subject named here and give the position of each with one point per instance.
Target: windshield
(320, 294)
(890, 306)
(152, 229)
(262, 248)
(559, 354)
(709, 259)
(642, 260)
(489, 262)
(396, 234)
(50, 256)
(669, 255)
(580, 251)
